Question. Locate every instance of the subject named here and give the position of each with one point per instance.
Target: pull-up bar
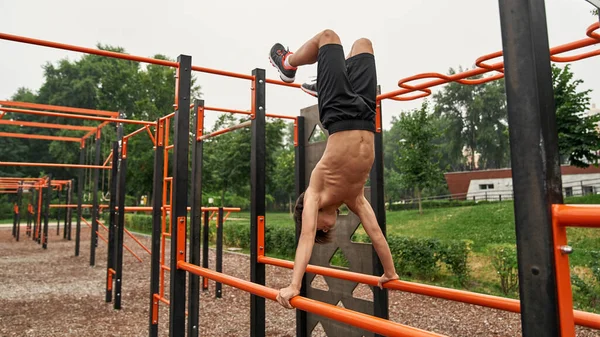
(66, 115)
(42, 137)
(225, 130)
(14, 163)
(48, 125)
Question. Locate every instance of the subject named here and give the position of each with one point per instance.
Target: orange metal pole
(281, 116)
(222, 131)
(150, 134)
(350, 317)
(136, 132)
(577, 215)
(563, 278)
(11, 163)
(233, 111)
(108, 158)
(59, 108)
(47, 125)
(42, 137)
(104, 239)
(66, 115)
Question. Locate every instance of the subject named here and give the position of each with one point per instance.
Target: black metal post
(157, 192)
(15, 212)
(66, 213)
(58, 214)
(94, 213)
(180, 190)
(118, 258)
(300, 176)
(257, 199)
(47, 212)
(70, 210)
(205, 232)
(40, 227)
(19, 211)
(219, 259)
(110, 260)
(535, 161)
(36, 202)
(195, 216)
(79, 198)
(380, 296)
(28, 230)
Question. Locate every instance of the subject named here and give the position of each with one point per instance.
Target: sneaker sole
(281, 75)
(310, 92)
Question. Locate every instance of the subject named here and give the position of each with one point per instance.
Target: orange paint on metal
(378, 117)
(59, 108)
(577, 215)
(165, 267)
(225, 130)
(295, 132)
(150, 135)
(155, 300)
(66, 115)
(261, 235)
(110, 279)
(108, 158)
(137, 241)
(563, 278)
(124, 149)
(47, 125)
(42, 137)
(181, 230)
(2, 113)
(145, 127)
(11, 163)
(233, 111)
(105, 240)
(200, 124)
(375, 324)
(169, 147)
(160, 133)
(222, 73)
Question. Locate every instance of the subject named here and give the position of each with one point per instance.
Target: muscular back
(340, 175)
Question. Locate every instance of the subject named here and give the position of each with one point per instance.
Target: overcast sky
(409, 37)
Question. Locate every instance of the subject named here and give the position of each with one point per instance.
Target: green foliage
(578, 138)
(587, 289)
(472, 117)
(456, 257)
(429, 204)
(504, 260)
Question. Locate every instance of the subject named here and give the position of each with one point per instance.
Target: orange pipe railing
(13, 163)
(41, 137)
(59, 108)
(66, 115)
(375, 324)
(225, 130)
(106, 241)
(577, 215)
(47, 125)
(424, 88)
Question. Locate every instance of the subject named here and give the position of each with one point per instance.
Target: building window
(486, 186)
(569, 191)
(587, 190)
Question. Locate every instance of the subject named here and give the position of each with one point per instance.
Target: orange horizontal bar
(135, 132)
(99, 52)
(66, 115)
(222, 73)
(375, 324)
(70, 206)
(281, 116)
(59, 108)
(169, 147)
(47, 125)
(13, 163)
(148, 208)
(581, 317)
(278, 82)
(209, 108)
(577, 215)
(222, 131)
(162, 299)
(42, 137)
(167, 268)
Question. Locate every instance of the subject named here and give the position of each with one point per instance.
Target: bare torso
(340, 175)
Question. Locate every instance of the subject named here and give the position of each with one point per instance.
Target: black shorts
(347, 90)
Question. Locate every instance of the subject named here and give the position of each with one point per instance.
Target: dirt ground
(53, 293)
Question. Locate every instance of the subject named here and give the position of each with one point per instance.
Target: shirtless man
(346, 91)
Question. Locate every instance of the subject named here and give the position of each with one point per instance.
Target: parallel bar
(300, 184)
(257, 199)
(195, 217)
(179, 190)
(112, 228)
(99, 52)
(534, 159)
(360, 320)
(66, 115)
(59, 108)
(581, 317)
(222, 73)
(11, 163)
(41, 137)
(95, 180)
(219, 251)
(47, 125)
(157, 192)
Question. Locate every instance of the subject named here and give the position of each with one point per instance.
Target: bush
(429, 204)
(456, 256)
(587, 289)
(504, 260)
(415, 257)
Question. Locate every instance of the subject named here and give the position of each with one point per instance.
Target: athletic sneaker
(277, 58)
(310, 87)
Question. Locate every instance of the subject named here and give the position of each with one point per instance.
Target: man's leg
(362, 73)
(360, 46)
(287, 62)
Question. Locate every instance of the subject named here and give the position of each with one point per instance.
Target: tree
(418, 157)
(578, 137)
(473, 118)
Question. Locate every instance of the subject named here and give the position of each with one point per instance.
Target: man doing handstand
(346, 91)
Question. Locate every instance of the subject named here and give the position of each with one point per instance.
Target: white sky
(409, 37)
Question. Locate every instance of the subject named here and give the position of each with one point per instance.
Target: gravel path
(52, 293)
